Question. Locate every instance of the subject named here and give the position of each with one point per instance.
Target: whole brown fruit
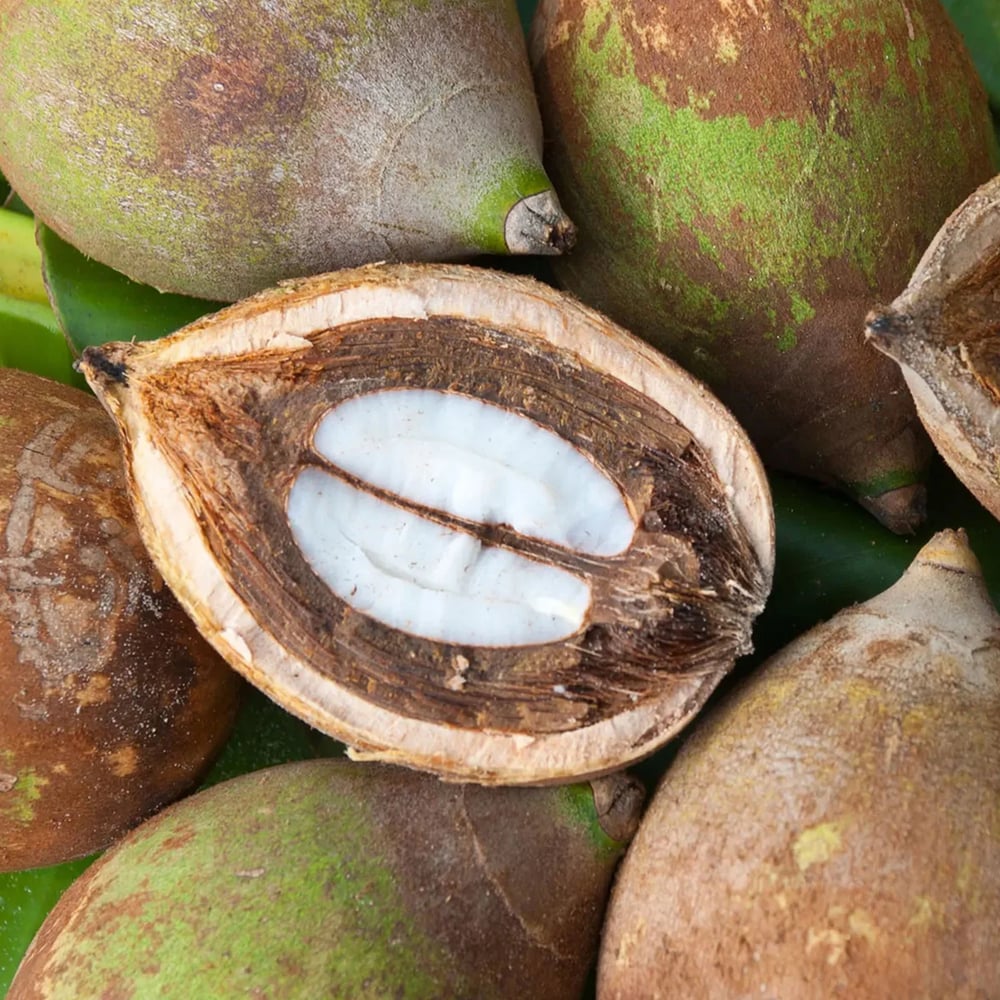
(831, 829)
(111, 704)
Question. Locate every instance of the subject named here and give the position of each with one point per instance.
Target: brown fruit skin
(747, 181)
(833, 828)
(111, 704)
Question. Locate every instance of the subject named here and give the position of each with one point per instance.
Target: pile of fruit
(499, 501)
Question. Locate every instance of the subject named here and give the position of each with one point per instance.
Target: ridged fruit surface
(747, 180)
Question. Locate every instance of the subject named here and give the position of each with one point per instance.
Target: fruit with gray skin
(747, 182)
(216, 148)
(334, 879)
(833, 827)
(111, 704)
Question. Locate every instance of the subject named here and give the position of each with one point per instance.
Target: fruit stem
(537, 224)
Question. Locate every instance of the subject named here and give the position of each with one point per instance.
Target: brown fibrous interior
(670, 613)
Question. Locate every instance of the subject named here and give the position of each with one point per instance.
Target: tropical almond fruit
(832, 827)
(448, 515)
(111, 703)
(942, 330)
(212, 149)
(341, 880)
(747, 179)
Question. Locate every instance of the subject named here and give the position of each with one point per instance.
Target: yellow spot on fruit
(726, 49)
(123, 761)
(861, 925)
(834, 940)
(923, 914)
(96, 691)
(816, 845)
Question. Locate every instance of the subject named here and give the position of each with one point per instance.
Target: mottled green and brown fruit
(748, 179)
(832, 829)
(111, 704)
(341, 880)
(215, 148)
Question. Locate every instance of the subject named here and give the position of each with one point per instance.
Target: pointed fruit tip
(619, 799)
(106, 370)
(537, 224)
(902, 510)
(949, 550)
(885, 326)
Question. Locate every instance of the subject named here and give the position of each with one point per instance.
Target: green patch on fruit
(577, 804)
(885, 482)
(339, 896)
(763, 199)
(17, 803)
(517, 180)
(25, 899)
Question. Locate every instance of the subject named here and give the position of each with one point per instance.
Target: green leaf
(96, 304)
(31, 339)
(979, 23)
(831, 554)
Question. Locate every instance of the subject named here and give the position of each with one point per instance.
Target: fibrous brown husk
(220, 426)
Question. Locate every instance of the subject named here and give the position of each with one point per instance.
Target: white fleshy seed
(426, 579)
(477, 461)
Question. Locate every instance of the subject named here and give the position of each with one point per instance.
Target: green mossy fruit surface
(335, 879)
(747, 183)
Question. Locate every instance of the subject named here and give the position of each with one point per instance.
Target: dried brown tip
(538, 225)
(619, 799)
(901, 510)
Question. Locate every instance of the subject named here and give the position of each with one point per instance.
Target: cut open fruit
(448, 515)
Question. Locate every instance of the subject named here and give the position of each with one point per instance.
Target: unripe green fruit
(331, 879)
(214, 148)
(748, 181)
